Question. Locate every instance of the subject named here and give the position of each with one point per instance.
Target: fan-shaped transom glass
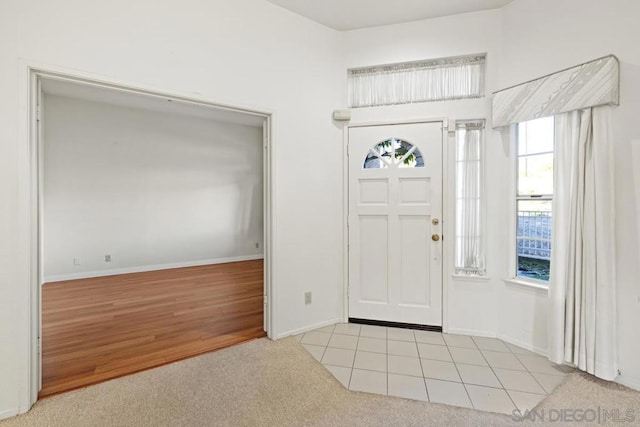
(393, 153)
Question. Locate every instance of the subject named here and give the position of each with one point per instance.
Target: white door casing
(395, 208)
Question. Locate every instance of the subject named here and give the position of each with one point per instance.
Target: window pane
(536, 136)
(535, 174)
(393, 153)
(413, 160)
(534, 238)
(373, 162)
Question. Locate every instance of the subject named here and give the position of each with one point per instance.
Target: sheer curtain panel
(403, 83)
(469, 250)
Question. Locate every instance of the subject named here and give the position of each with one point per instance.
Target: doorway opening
(151, 229)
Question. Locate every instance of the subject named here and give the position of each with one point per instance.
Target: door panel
(374, 243)
(395, 193)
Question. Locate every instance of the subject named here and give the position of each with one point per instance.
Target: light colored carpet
(267, 383)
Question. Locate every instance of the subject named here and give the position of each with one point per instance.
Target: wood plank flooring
(102, 328)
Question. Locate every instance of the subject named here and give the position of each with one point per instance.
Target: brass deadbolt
(435, 237)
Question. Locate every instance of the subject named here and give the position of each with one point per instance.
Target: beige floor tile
(316, 338)
(491, 399)
(328, 329)
(368, 381)
(468, 356)
(459, 341)
(440, 370)
(493, 344)
(316, 351)
(375, 345)
(446, 392)
(370, 361)
(539, 364)
(525, 401)
(518, 381)
(434, 352)
(407, 386)
(372, 331)
(399, 334)
(402, 348)
(346, 329)
(548, 382)
(348, 342)
(497, 359)
(429, 337)
(404, 365)
(519, 350)
(478, 375)
(338, 357)
(341, 373)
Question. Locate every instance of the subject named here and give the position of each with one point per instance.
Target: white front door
(395, 213)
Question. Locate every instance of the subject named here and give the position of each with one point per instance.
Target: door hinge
(39, 346)
(38, 113)
(266, 300)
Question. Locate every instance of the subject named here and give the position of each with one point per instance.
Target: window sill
(530, 284)
(470, 278)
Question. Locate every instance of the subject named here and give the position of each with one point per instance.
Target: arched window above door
(393, 153)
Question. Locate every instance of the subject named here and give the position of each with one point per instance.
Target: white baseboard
(473, 332)
(143, 268)
(309, 328)
(628, 381)
(8, 413)
(525, 345)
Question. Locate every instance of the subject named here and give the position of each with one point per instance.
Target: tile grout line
(426, 389)
(455, 364)
(495, 375)
(534, 377)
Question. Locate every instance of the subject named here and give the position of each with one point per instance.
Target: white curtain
(469, 251)
(437, 80)
(582, 318)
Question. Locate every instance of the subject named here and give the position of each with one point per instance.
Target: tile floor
(481, 373)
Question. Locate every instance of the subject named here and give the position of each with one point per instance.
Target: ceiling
(147, 102)
(355, 14)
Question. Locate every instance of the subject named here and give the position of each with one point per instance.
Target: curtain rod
(559, 71)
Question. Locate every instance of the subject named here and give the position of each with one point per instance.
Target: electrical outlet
(307, 297)
(257, 245)
(107, 258)
(76, 261)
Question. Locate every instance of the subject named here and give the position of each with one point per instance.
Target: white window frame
(542, 285)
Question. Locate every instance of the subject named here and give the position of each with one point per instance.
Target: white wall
(542, 36)
(470, 306)
(246, 52)
(147, 188)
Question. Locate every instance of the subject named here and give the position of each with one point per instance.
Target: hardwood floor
(102, 328)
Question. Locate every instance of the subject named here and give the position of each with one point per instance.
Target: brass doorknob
(435, 237)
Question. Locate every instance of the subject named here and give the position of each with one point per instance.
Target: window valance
(587, 85)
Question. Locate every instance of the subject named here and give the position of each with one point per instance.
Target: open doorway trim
(31, 134)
